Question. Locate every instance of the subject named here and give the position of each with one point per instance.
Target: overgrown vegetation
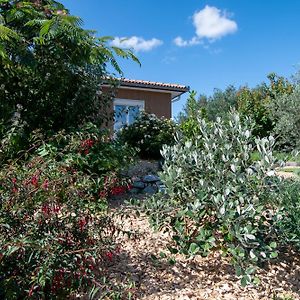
(51, 68)
(148, 134)
(219, 199)
(55, 233)
(57, 169)
(270, 107)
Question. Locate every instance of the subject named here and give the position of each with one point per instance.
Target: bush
(218, 197)
(55, 233)
(148, 134)
(285, 113)
(289, 223)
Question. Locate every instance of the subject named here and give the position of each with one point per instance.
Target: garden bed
(139, 265)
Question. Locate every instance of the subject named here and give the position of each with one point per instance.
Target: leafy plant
(285, 113)
(148, 134)
(218, 197)
(56, 236)
(188, 120)
(51, 67)
(289, 222)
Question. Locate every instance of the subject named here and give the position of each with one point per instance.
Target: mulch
(154, 277)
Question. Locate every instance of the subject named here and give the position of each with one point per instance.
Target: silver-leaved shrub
(218, 198)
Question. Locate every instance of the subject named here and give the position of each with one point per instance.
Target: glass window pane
(120, 116)
(133, 113)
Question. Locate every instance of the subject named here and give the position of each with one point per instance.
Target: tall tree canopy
(51, 68)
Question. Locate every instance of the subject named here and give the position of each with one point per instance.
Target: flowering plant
(56, 235)
(148, 134)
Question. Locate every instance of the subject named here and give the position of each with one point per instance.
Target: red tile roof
(154, 85)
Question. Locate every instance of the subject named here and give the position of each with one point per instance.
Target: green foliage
(218, 197)
(251, 103)
(285, 114)
(51, 67)
(188, 120)
(254, 103)
(148, 134)
(289, 222)
(217, 105)
(55, 234)
(220, 103)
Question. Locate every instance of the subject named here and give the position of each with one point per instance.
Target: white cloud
(210, 23)
(180, 42)
(136, 43)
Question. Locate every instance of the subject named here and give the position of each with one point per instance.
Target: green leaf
(238, 270)
(245, 280)
(173, 250)
(274, 254)
(194, 248)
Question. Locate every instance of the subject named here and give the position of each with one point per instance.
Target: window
(126, 112)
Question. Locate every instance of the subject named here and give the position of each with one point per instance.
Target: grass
(283, 156)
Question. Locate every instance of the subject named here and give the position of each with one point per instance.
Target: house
(133, 96)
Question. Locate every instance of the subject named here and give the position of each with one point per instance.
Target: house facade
(134, 96)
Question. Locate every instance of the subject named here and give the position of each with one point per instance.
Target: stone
(138, 184)
(135, 191)
(150, 178)
(150, 189)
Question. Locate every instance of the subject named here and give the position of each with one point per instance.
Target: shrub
(285, 113)
(289, 223)
(148, 134)
(55, 233)
(218, 197)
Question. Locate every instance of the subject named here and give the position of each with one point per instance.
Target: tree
(254, 103)
(285, 114)
(50, 67)
(221, 102)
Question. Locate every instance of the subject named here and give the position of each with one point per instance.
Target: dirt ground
(212, 277)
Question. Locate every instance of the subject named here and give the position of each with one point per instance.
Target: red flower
(14, 190)
(46, 209)
(14, 180)
(118, 190)
(45, 185)
(86, 145)
(56, 209)
(35, 181)
(30, 293)
(109, 255)
(82, 222)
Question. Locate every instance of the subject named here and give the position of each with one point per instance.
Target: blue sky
(202, 44)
